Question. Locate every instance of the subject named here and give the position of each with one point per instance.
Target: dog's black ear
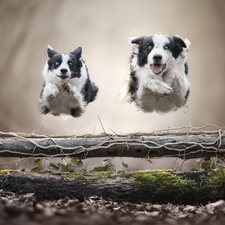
(137, 40)
(77, 52)
(178, 46)
(49, 63)
(51, 52)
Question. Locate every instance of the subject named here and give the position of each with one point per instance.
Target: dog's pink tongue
(157, 68)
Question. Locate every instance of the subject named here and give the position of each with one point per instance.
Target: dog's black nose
(63, 71)
(157, 58)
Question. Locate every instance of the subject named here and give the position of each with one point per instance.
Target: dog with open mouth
(158, 73)
(67, 88)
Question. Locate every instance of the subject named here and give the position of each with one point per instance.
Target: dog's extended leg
(150, 91)
(50, 92)
(157, 87)
(43, 107)
(76, 112)
(72, 90)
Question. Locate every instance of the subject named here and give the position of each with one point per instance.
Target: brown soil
(25, 209)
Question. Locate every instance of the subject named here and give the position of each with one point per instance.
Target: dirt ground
(25, 209)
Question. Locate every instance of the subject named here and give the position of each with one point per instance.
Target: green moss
(155, 181)
(78, 177)
(216, 179)
(4, 172)
(85, 177)
(161, 181)
(95, 177)
(106, 175)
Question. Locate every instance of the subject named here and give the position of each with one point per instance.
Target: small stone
(39, 207)
(153, 214)
(48, 212)
(189, 208)
(218, 204)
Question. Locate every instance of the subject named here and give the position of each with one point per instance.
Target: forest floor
(27, 210)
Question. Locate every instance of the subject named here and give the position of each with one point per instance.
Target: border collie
(158, 73)
(67, 88)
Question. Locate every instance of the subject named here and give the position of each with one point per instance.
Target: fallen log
(168, 144)
(157, 186)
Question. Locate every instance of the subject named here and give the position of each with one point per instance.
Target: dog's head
(64, 66)
(159, 52)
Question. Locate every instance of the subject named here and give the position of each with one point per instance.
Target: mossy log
(181, 145)
(157, 186)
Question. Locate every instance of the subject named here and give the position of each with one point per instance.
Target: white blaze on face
(65, 59)
(64, 66)
(158, 50)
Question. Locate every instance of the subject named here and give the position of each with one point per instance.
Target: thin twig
(101, 125)
(37, 130)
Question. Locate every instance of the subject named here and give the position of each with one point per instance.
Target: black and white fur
(158, 73)
(67, 88)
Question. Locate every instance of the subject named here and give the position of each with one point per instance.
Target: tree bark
(182, 188)
(181, 145)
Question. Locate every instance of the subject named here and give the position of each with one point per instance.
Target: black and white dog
(67, 88)
(158, 73)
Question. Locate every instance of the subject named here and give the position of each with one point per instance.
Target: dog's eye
(150, 47)
(166, 47)
(56, 63)
(70, 63)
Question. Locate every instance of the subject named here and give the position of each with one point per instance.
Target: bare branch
(193, 144)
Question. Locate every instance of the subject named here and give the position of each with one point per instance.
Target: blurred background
(102, 28)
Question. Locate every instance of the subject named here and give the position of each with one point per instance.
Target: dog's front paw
(54, 93)
(164, 91)
(53, 96)
(77, 111)
(43, 109)
(65, 87)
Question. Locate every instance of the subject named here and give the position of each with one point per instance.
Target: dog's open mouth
(157, 68)
(63, 77)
